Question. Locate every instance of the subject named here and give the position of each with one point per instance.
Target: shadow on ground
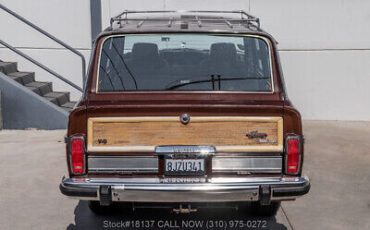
(164, 219)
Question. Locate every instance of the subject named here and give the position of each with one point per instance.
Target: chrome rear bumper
(223, 189)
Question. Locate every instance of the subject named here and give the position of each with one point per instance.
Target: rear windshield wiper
(218, 79)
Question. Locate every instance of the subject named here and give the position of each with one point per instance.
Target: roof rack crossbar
(140, 23)
(170, 22)
(245, 18)
(198, 20)
(229, 24)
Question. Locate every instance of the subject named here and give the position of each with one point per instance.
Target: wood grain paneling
(144, 133)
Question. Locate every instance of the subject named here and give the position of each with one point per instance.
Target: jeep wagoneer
(185, 109)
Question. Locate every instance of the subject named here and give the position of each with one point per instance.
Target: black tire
(265, 210)
(112, 209)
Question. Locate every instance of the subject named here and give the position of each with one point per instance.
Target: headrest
(223, 50)
(145, 51)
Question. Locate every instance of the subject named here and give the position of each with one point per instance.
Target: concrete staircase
(43, 89)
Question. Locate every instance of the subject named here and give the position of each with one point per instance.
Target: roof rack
(190, 16)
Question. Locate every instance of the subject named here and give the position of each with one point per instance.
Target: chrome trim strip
(185, 149)
(268, 164)
(122, 163)
(155, 181)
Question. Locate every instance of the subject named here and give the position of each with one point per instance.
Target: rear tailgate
(247, 140)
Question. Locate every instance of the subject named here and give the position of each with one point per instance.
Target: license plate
(184, 166)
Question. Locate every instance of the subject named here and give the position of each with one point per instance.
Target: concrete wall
(324, 44)
(325, 50)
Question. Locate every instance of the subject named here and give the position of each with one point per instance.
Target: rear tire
(114, 208)
(265, 210)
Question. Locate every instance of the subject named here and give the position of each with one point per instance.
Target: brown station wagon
(184, 110)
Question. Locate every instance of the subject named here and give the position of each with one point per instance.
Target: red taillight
(77, 155)
(292, 160)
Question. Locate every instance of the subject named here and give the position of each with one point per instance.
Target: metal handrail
(40, 65)
(73, 50)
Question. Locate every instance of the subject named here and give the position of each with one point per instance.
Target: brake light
(77, 155)
(293, 155)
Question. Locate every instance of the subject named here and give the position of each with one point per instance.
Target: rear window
(184, 62)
